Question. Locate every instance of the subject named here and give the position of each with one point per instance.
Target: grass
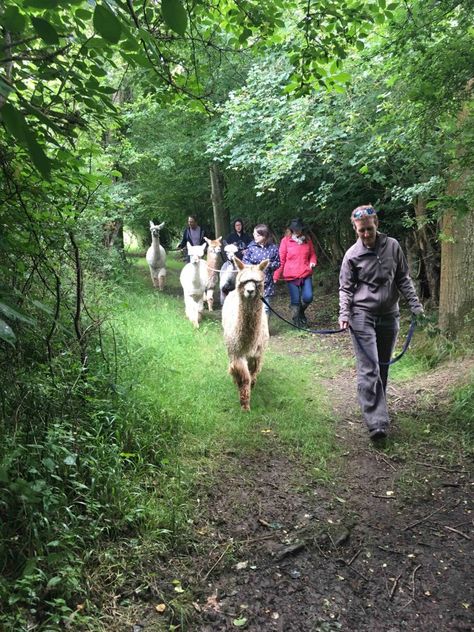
(175, 414)
(179, 407)
(179, 414)
(185, 370)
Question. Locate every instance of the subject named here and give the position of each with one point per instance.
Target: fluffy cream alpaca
(245, 328)
(193, 279)
(156, 257)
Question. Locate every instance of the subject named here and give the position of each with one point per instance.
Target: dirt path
(386, 547)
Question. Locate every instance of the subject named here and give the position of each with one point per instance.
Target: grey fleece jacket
(373, 279)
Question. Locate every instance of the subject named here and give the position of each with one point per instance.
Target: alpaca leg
(199, 310)
(239, 370)
(196, 314)
(255, 366)
(210, 298)
(153, 277)
(191, 310)
(187, 307)
(161, 279)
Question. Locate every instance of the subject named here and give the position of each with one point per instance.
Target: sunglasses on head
(364, 212)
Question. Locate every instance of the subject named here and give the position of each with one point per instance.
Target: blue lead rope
(410, 333)
(326, 332)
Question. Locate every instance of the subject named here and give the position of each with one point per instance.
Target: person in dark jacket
(374, 272)
(192, 233)
(239, 237)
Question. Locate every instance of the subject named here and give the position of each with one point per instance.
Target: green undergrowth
(185, 370)
(179, 411)
(113, 463)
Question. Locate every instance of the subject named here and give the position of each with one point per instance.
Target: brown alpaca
(245, 328)
(214, 247)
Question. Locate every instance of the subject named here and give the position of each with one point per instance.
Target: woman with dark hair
(298, 259)
(239, 237)
(263, 247)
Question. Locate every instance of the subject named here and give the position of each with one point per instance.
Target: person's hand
(420, 317)
(343, 324)
(312, 265)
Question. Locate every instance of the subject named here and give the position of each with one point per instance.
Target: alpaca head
(230, 251)
(250, 279)
(195, 252)
(155, 229)
(214, 245)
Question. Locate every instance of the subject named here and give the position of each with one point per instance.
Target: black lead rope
(326, 332)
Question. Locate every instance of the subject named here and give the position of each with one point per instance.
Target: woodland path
(385, 546)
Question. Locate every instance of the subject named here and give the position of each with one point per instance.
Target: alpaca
(156, 257)
(214, 247)
(194, 279)
(228, 272)
(245, 328)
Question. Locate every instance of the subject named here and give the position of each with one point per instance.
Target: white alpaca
(156, 257)
(193, 279)
(228, 272)
(246, 328)
(214, 247)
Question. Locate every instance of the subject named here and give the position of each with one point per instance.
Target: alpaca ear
(219, 238)
(264, 264)
(208, 241)
(151, 224)
(188, 245)
(239, 263)
(161, 225)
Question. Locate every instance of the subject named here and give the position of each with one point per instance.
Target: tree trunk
(457, 269)
(413, 259)
(113, 234)
(457, 244)
(429, 254)
(221, 214)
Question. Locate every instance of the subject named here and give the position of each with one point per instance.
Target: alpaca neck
(212, 259)
(196, 272)
(250, 315)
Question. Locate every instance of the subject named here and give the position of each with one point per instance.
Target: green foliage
(166, 172)
(174, 15)
(92, 131)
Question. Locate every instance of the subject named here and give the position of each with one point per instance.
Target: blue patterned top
(256, 254)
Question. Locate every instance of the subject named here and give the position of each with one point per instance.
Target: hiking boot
(303, 308)
(295, 315)
(378, 435)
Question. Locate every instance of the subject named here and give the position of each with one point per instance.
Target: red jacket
(295, 260)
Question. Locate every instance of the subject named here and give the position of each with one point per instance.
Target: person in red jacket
(298, 259)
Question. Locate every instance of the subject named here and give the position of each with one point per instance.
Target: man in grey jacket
(373, 274)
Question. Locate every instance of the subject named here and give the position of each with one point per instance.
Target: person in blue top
(263, 247)
(239, 237)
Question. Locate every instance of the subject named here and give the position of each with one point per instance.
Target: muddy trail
(386, 545)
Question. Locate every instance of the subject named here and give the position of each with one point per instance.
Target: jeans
(301, 293)
(373, 339)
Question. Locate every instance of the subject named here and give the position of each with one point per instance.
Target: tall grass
(185, 370)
